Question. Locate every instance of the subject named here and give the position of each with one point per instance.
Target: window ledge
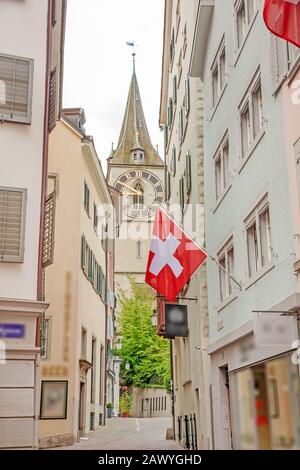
(214, 109)
(259, 274)
(245, 159)
(218, 202)
(187, 381)
(238, 52)
(226, 302)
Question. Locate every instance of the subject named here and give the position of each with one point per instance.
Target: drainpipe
(45, 152)
(106, 325)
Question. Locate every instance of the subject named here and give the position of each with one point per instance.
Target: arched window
(138, 198)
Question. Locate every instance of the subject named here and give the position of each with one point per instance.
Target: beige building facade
(181, 117)
(30, 94)
(74, 356)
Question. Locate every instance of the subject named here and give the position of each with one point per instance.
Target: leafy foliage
(147, 353)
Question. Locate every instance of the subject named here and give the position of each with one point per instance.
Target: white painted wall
(23, 33)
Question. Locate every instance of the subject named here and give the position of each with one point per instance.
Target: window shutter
(175, 89)
(188, 172)
(83, 253)
(49, 230)
(166, 136)
(168, 192)
(173, 162)
(181, 193)
(52, 100)
(181, 125)
(187, 96)
(53, 12)
(15, 88)
(278, 60)
(12, 224)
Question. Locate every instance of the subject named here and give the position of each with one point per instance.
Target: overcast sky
(98, 64)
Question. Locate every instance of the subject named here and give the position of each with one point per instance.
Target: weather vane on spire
(134, 45)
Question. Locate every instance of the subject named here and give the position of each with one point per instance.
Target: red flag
(282, 18)
(173, 257)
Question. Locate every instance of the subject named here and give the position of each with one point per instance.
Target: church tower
(136, 170)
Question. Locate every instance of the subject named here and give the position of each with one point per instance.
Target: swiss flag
(282, 18)
(173, 257)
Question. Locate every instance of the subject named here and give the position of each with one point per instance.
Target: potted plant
(125, 404)
(109, 408)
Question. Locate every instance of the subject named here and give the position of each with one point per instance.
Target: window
(172, 47)
(258, 231)
(221, 160)
(101, 381)
(16, 77)
(86, 198)
(139, 249)
(92, 421)
(168, 184)
(226, 267)
(179, 68)
(93, 370)
(218, 73)
(251, 115)
(45, 339)
(138, 198)
(181, 193)
(83, 343)
(184, 40)
(293, 54)
(178, 16)
(138, 156)
(170, 113)
(104, 237)
(12, 224)
(244, 14)
(187, 97)
(95, 217)
(49, 230)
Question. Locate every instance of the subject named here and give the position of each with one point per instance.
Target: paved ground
(129, 434)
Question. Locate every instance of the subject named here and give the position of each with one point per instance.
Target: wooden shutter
(188, 173)
(181, 193)
(15, 88)
(53, 12)
(12, 224)
(173, 162)
(166, 136)
(83, 253)
(52, 100)
(49, 230)
(168, 192)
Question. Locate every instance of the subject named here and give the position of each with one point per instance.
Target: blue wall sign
(12, 330)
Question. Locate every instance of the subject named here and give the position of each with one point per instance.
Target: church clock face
(142, 193)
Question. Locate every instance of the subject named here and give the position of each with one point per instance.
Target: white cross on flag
(173, 257)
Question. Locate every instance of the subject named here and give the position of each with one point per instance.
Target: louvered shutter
(53, 13)
(83, 253)
(49, 229)
(175, 89)
(166, 136)
(187, 96)
(278, 60)
(188, 172)
(52, 100)
(173, 164)
(15, 88)
(12, 224)
(181, 193)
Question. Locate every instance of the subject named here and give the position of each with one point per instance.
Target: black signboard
(176, 321)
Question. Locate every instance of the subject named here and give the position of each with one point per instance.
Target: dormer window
(138, 156)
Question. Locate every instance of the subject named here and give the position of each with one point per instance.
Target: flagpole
(202, 249)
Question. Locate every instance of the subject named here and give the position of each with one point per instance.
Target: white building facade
(253, 294)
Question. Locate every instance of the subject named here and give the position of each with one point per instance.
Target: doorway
(81, 421)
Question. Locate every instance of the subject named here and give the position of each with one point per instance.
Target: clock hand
(132, 189)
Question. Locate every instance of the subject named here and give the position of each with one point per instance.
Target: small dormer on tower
(138, 152)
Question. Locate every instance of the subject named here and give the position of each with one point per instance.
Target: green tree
(147, 353)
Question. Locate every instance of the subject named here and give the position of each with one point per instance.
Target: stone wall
(150, 403)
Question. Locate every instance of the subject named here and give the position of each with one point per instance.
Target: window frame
(247, 102)
(219, 156)
(248, 22)
(216, 66)
(228, 283)
(21, 119)
(254, 220)
(86, 206)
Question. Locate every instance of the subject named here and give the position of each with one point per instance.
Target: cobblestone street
(129, 434)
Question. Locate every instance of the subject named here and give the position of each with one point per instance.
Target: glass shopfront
(266, 405)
